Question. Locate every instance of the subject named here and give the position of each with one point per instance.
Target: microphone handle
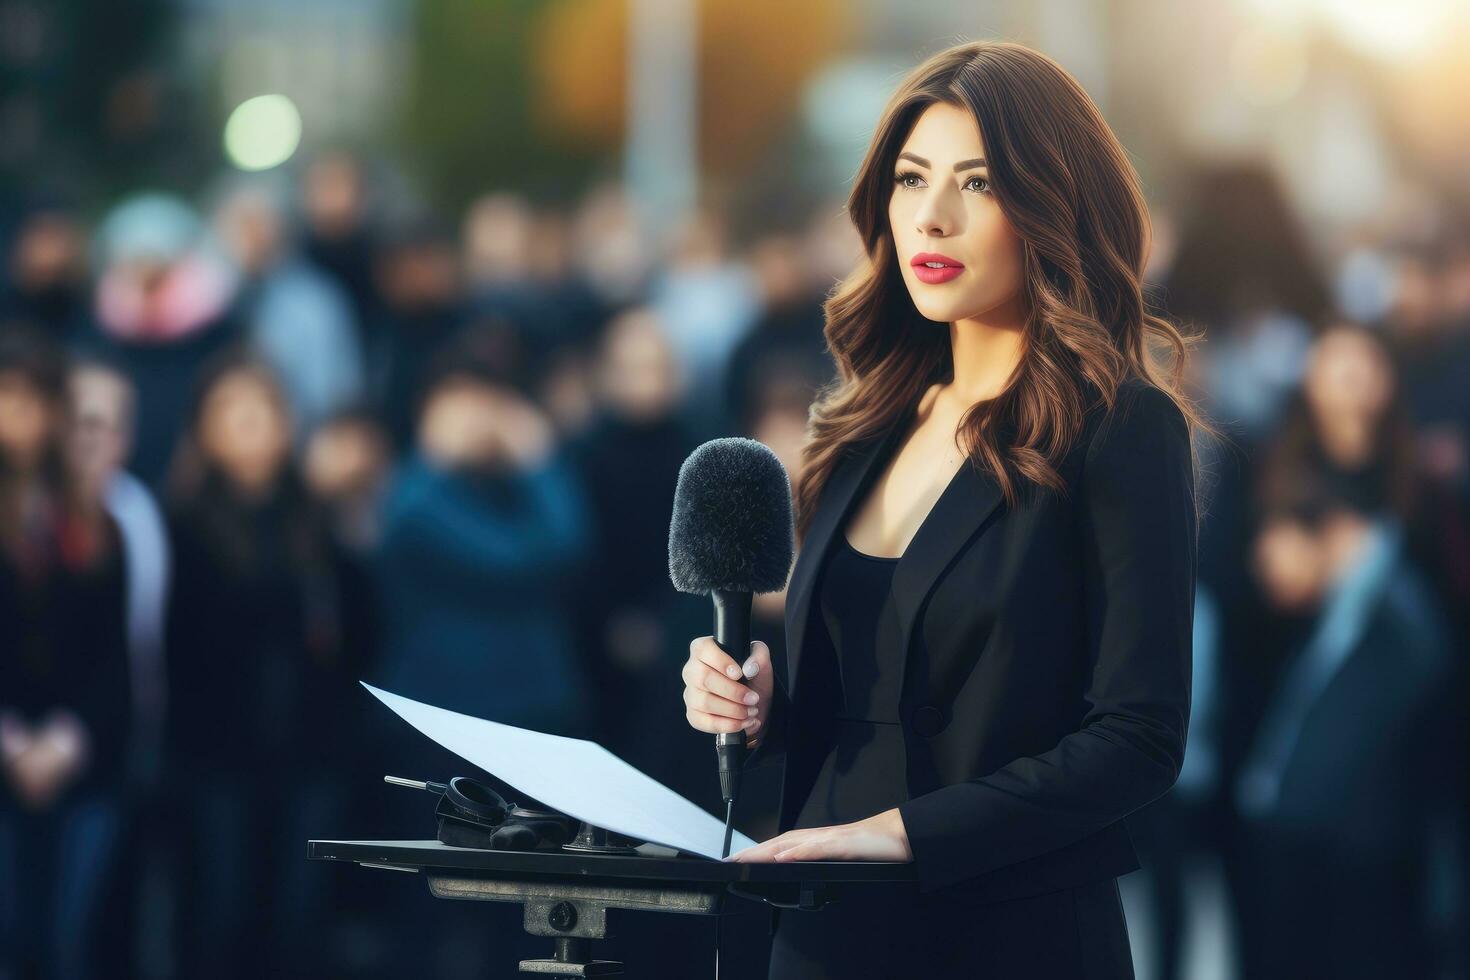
(732, 623)
(731, 634)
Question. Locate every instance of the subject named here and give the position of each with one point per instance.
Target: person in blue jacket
(483, 525)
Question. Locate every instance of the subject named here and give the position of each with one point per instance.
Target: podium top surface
(652, 862)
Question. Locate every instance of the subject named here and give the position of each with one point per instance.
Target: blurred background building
(361, 340)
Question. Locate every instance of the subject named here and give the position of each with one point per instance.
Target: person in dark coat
(65, 691)
(988, 626)
(46, 283)
(420, 310)
(1356, 763)
(628, 461)
(265, 645)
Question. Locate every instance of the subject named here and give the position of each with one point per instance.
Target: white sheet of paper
(572, 775)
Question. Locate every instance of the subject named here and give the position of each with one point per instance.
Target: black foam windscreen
(732, 527)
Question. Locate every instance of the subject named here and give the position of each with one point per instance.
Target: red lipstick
(925, 268)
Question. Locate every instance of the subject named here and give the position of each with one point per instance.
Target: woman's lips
(928, 273)
(932, 275)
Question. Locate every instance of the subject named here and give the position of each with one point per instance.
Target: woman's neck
(1348, 440)
(254, 489)
(985, 352)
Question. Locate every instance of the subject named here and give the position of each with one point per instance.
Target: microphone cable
(724, 853)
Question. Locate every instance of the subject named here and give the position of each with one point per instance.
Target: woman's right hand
(716, 700)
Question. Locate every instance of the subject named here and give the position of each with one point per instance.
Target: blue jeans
(55, 865)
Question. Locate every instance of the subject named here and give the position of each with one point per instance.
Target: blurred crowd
(259, 447)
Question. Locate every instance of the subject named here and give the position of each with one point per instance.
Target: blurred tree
(470, 121)
(528, 93)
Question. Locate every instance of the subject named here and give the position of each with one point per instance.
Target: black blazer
(1047, 665)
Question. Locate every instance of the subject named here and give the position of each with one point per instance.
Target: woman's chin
(941, 314)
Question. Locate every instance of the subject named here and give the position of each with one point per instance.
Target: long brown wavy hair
(1070, 192)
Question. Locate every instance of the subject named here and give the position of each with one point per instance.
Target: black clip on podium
(567, 889)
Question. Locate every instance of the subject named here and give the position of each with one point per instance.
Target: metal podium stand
(566, 894)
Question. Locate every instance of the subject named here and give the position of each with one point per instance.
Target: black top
(864, 772)
(63, 646)
(269, 626)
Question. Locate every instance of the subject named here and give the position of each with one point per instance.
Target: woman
(66, 711)
(266, 640)
(988, 647)
(1327, 861)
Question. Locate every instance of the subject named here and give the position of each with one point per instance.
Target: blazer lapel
(964, 506)
(959, 513)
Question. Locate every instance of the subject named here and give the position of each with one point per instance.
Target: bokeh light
(262, 132)
(1267, 68)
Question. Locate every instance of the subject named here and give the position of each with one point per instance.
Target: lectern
(566, 894)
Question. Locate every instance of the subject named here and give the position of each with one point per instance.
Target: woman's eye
(902, 179)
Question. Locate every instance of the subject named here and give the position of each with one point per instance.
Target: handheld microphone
(731, 535)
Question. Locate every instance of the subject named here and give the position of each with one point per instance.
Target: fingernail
(751, 697)
(752, 712)
(752, 667)
(732, 670)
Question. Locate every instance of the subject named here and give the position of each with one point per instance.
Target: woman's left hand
(880, 837)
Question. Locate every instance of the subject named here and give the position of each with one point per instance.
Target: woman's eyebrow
(962, 165)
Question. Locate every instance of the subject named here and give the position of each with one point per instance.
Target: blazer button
(928, 720)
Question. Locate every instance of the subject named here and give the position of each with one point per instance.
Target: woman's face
(942, 205)
(1348, 377)
(27, 421)
(638, 375)
(99, 436)
(243, 430)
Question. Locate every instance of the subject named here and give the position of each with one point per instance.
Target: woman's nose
(933, 219)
